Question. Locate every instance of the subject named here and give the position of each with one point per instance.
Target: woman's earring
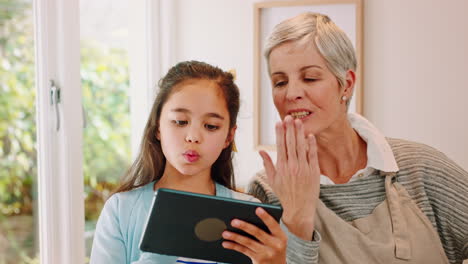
(344, 98)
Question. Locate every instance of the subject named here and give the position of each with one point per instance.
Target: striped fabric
(437, 185)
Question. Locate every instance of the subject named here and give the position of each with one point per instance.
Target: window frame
(60, 159)
(60, 173)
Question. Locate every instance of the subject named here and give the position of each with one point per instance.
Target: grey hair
(331, 42)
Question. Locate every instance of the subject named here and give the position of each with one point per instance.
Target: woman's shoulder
(399, 145)
(260, 189)
(406, 151)
(413, 157)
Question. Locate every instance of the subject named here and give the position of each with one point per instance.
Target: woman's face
(304, 88)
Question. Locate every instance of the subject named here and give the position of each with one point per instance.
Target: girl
(187, 145)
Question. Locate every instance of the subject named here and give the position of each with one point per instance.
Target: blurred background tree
(18, 159)
(106, 146)
(106, 150)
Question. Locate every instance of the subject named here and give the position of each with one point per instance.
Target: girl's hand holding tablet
(269, 249)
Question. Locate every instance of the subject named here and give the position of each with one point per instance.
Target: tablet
(190, 225)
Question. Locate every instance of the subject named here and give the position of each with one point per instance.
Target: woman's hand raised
(296, 177)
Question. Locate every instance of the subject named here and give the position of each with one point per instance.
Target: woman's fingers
(290, 138)
(301, 142)
(312, 152)
(269, 166)
(281, 155)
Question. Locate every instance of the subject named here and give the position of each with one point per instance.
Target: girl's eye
(180, 122)
(309, 79)
(211, 127)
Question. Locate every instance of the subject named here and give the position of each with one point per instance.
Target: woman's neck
(173, 179)
(341, 152)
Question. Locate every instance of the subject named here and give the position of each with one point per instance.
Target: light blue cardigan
(120, 227)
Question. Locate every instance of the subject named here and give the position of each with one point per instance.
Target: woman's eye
(180, 122)
(211, 127)
(310, 79)
(279, 84)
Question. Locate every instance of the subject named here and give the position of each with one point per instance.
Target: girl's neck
(173, 179)
(341, 151)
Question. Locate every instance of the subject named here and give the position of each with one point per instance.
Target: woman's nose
(294, 91)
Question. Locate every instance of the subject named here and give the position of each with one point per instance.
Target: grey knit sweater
(437, 185)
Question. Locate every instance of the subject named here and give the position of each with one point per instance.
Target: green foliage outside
(106, 147)
(17, 109)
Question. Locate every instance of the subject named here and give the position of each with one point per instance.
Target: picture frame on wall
(347, 14)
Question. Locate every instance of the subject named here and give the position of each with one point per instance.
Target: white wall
(416, 70)
(220, 32)
(415, 67)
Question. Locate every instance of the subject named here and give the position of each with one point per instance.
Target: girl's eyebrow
(215, 115)
(181, 110)
(186, 111)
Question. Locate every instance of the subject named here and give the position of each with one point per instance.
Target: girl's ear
(230, 137)
(158, 135)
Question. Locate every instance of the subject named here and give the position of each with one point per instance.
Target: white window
(90, 67)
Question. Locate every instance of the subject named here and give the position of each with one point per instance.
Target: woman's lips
(191, 156)
(300, 114)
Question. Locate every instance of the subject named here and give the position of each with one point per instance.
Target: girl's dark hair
(150, 162)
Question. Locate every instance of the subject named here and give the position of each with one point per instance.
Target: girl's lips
(191, 156)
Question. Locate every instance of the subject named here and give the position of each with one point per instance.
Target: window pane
(18, 162)
(105, 84)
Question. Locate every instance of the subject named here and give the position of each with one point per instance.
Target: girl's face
(194, 127)
(305, 88)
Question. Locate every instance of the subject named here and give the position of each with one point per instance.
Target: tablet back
(190, 225)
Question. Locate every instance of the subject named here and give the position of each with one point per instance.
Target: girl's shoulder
(241, 196)
(141, 196)
(244, 196)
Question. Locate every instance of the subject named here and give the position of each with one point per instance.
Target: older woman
(349, 194)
